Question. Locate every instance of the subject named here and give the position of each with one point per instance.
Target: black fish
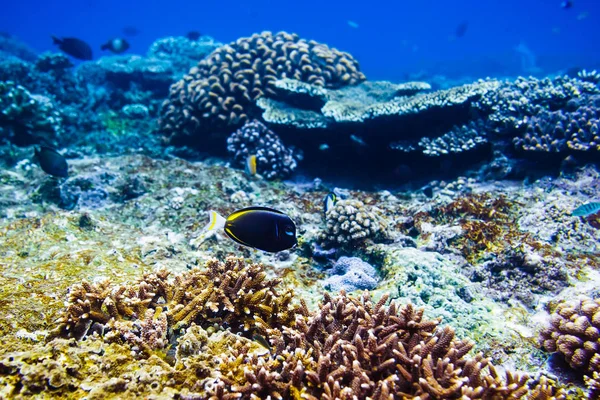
(566, 4)
(259, 227)
(74, 47)
(461, 29)
(52, 162)
(131, 31)
(193, 35)
(116, 45)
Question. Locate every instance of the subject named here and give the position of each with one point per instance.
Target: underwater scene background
(300, 200)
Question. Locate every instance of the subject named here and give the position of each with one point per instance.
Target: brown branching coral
(234, 294)
(218, 95)
(350, 348)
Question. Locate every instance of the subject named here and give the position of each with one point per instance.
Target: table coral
(218, 94)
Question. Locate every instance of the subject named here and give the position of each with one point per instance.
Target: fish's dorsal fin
(242, 211)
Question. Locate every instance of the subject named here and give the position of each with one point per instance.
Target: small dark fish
(329, 202)
(193, 35)
(461, 29)
(260, 227)
(52, 162)
(586, 209)
(74, 47)
(131, 31)
(262, 341)
(116, 45)
(566, 4)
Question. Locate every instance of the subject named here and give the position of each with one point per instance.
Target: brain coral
(218, 95)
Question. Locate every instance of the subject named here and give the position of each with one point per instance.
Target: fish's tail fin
(215, 225)
(215, 222)
(56, 40)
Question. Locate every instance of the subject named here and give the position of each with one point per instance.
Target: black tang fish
(74, 47)
(52, 162)
(193, 35)
(116, 45)
(260, 227)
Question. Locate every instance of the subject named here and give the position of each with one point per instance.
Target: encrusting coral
(349, 348)
(218, 94)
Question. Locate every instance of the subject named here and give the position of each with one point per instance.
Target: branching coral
(236, 295)
(348, 348)
(218, 95)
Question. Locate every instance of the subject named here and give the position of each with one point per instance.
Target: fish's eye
(289, 230)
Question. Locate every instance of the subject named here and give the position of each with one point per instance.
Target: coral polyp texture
(25, 117)
(575, 333)
(352, 222)
(273, 159)
(218, 94)
(576, 128)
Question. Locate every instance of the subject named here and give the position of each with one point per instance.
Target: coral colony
(477, 279)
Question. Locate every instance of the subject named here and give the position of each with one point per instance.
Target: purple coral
(351, 273)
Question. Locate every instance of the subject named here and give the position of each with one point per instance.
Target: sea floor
(490, 259)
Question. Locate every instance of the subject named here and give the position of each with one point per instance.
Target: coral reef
(574, 332)
(351, 222)
(27, 118)
(273, 159)
(182, 52)
(53, 62)
(512, 104)
(237, 295)
(350, 274)
(576, 127)
(11, 46)
(218, 95)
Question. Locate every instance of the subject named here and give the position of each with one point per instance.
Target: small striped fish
(586, 209)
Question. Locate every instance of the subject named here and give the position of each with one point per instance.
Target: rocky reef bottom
(466, 289)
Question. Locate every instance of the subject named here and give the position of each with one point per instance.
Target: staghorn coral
(237, 295)
(350, 222)
(219, 93)
(353, 348)
(25, 117)
(348, 348)
(273, 159)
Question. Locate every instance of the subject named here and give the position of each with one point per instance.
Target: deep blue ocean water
(391, 39)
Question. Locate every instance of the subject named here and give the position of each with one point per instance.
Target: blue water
(392, 38)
